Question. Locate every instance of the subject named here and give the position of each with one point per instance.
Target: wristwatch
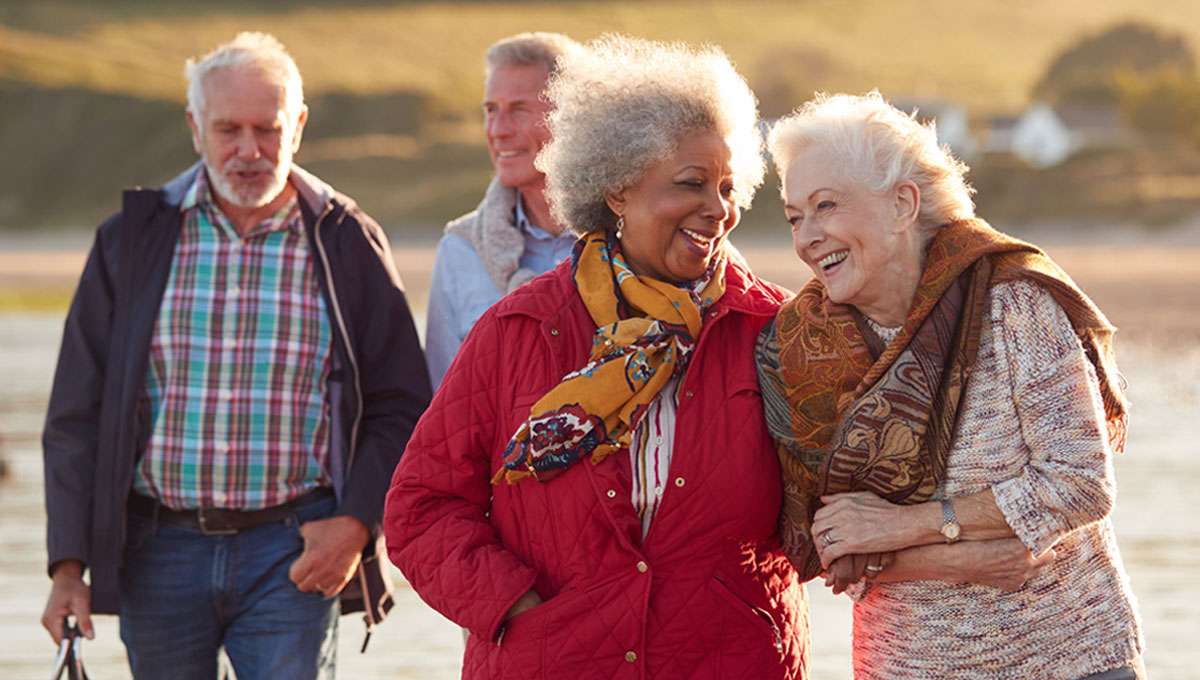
(950, 527)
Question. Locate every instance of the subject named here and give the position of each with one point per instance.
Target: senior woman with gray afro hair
(947, 409)
(593, 492)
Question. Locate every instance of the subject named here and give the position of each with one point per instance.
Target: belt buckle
(203, 519)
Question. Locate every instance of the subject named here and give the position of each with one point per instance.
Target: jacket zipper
(771, 620)
(759, 612)
(341, 323)
(368, 617)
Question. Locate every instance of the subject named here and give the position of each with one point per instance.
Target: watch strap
(951, 529)
(948, 516)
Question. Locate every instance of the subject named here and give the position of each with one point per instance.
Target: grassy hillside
(984, 53)
(395, 86)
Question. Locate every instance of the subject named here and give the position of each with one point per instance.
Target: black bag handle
(70, 654)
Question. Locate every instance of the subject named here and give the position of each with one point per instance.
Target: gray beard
(226, 191)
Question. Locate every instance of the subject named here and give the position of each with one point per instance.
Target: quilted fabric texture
(707, 594)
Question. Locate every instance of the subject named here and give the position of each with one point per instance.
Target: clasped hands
(855, 537)
(859, 534)
(858, 523)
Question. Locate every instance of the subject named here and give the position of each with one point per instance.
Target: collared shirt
(543, 250)
(239, 357)
(462, 291)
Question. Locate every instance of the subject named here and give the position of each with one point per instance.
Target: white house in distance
(951, 121)
(1044, 136)
(998, 137)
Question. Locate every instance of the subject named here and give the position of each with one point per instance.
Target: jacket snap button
(643, 567)
(554, 331)
(611, 493)
(631, 656)
(679, 481)
(688, 394)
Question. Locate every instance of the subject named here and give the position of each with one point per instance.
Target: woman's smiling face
(849, 235)
(679, 213)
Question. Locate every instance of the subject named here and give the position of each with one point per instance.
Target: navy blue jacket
(378, 384)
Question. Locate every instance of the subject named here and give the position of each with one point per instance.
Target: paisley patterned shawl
(849, 414)
(645, 332)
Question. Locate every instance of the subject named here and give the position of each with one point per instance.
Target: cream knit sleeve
(1068, 480)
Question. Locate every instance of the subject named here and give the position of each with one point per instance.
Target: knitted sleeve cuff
(1034, 526)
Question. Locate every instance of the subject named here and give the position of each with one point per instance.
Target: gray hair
(260, 50)
(623, 104)
(880, 146)
(530, 49)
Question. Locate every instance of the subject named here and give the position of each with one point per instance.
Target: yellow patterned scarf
(645, 331)
(850, 414)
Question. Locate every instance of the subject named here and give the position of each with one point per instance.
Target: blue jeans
(184, 595)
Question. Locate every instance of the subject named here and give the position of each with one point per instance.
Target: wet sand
(1148, 291)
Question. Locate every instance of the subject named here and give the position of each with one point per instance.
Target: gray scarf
(494, 235)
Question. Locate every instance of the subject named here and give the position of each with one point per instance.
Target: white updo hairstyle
(622, 104)
(879, 146)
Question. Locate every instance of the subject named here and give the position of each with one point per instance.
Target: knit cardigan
(1032, 430)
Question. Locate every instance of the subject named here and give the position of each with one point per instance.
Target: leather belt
(220, 521)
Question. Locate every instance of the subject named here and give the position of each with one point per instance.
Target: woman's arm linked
(1066, 484)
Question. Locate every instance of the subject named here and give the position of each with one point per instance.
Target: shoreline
(1146, 287)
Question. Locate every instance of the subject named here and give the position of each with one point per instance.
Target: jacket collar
(314, 193)
(750, 294)
(744, 293)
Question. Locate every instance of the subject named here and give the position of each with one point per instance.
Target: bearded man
(238, 376)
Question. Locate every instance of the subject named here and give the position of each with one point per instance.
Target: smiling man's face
(514, 116)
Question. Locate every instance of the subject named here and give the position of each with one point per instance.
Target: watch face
(951, 531)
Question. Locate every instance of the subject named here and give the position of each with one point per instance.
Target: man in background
(238, 376)
(511, 237)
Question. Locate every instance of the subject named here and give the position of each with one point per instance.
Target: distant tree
(1164, 104)
(809, 69)
(1088, 71)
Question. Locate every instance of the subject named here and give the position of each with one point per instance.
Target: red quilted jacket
(707, 593)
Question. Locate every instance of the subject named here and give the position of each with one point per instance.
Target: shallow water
(1158, 479)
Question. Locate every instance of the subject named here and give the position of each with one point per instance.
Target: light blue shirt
(461, 290)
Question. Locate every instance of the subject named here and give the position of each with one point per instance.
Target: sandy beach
(1149, 291)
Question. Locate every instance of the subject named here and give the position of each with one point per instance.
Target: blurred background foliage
(91, 93)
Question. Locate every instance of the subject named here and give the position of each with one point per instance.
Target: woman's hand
(859, 523)
(1005, 563)
(848, 570)
(528, 601)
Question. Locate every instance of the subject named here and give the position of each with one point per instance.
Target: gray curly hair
(880, 146)
(624, 103)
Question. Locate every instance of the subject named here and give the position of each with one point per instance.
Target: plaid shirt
(236, 383)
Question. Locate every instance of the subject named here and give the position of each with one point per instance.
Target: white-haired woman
(593, 492)
(941, 394)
